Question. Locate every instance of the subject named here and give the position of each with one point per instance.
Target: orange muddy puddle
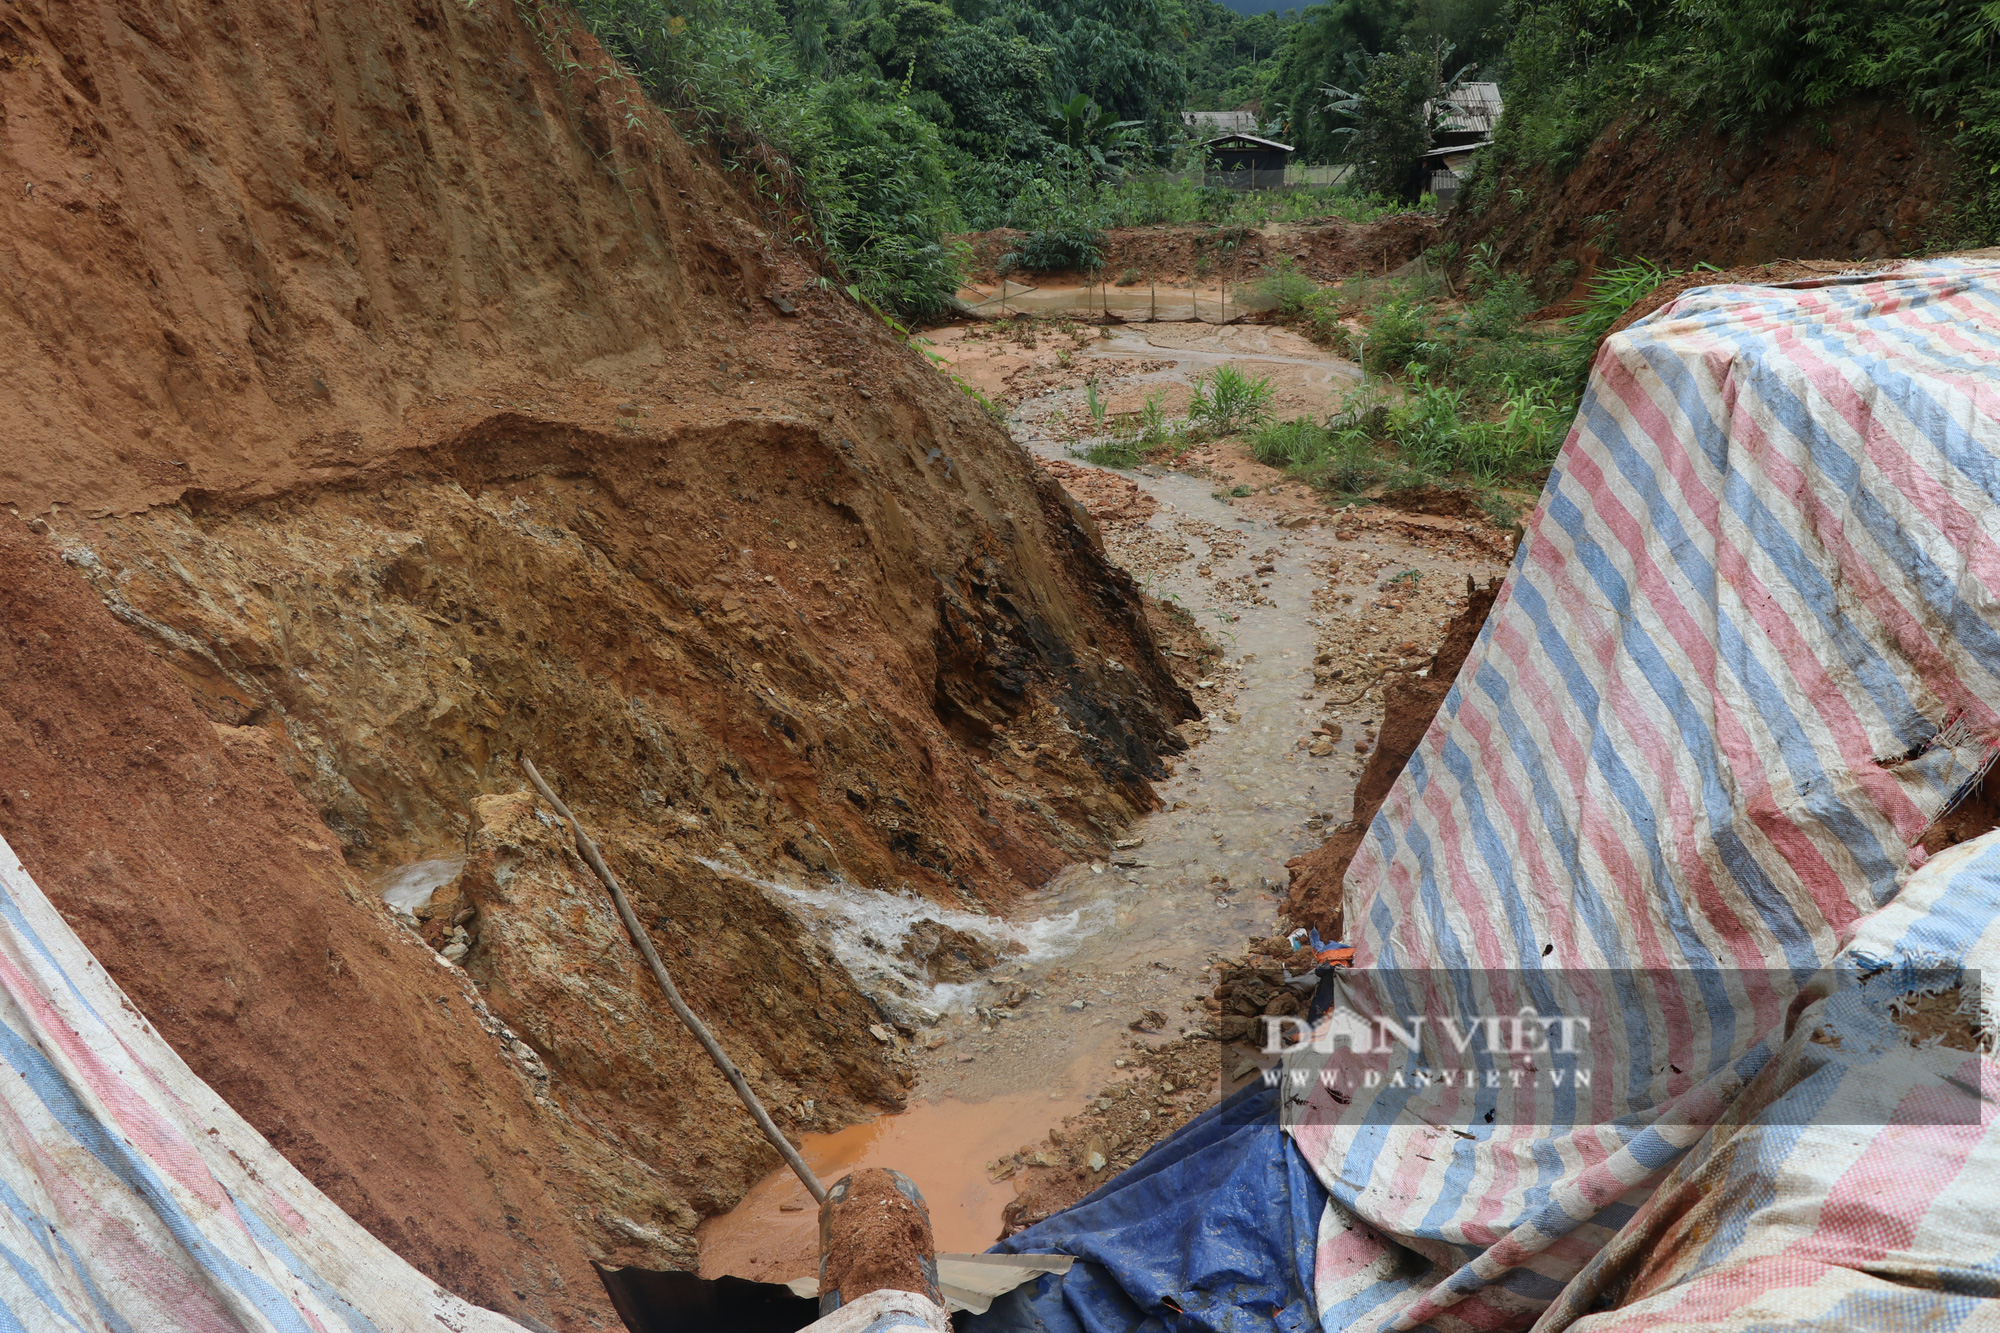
(942, 1145)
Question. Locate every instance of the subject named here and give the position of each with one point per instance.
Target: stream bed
(1103, 943)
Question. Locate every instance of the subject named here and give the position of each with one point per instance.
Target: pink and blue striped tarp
(1749, 650)
(133, 1200)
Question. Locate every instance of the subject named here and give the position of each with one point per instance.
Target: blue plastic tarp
(1212, 1230)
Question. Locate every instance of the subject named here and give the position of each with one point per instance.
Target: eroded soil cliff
(1865, 183)
(405, 407)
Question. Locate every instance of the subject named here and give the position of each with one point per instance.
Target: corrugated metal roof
(1221, 120)
(1472, 106)
(1452, 150)
(1249, 139)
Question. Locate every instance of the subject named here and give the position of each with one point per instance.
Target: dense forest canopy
(908, 120)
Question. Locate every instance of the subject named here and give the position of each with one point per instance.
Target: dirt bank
(417, 407)
(219, 901)
(1865, 183)
(1325, 251)
(1410, 700)
(1307, 608)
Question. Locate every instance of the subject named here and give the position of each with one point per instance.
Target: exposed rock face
(949, 955)
(419, 407)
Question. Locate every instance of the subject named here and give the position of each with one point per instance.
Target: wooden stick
(588, 850)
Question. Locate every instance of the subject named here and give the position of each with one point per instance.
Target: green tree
(1329, 47)
(1390, 129)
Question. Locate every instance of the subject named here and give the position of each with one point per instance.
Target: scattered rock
(947, 954)
(1125, 1119)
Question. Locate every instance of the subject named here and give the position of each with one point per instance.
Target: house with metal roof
(1246, 162)
(1462, 125)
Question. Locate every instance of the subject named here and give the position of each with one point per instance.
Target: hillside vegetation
(884, 126)
(1574, 68)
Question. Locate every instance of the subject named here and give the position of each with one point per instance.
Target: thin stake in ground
(588, 850)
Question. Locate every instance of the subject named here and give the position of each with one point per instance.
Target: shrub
(1226, 400)
(1489, 368)
(1436, 436)
(1067, 247)
(1287, 288)
(1398, 334)
(1613, 291)
(1153, 429)
(1499, 312)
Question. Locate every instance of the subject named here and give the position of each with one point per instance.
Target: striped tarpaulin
(1746, 654)
(133, 1200)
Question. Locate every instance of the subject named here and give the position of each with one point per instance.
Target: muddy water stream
(1104, 942)
(1208, 301)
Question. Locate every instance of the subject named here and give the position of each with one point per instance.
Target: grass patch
(1459, 392)
(1291, 443)
(1116, 452)
(1134, 437)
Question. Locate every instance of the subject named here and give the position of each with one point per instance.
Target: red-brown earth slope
(407, 406)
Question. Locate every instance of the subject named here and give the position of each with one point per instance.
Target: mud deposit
(1305, 610)
(403, 402)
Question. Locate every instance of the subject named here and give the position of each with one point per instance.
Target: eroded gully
(1016, 1050)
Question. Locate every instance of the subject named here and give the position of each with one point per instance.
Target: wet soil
(875, 1239)
(1119, 953)
(1324, 250)
(506, 421)
(1410, 700)
(219, 902)
(1940, 1019)
(1977, 812)
(1860, 184)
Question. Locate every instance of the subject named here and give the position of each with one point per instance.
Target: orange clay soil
(406, 407)
(1855, 186)
(220, 903)
(875, 1240)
